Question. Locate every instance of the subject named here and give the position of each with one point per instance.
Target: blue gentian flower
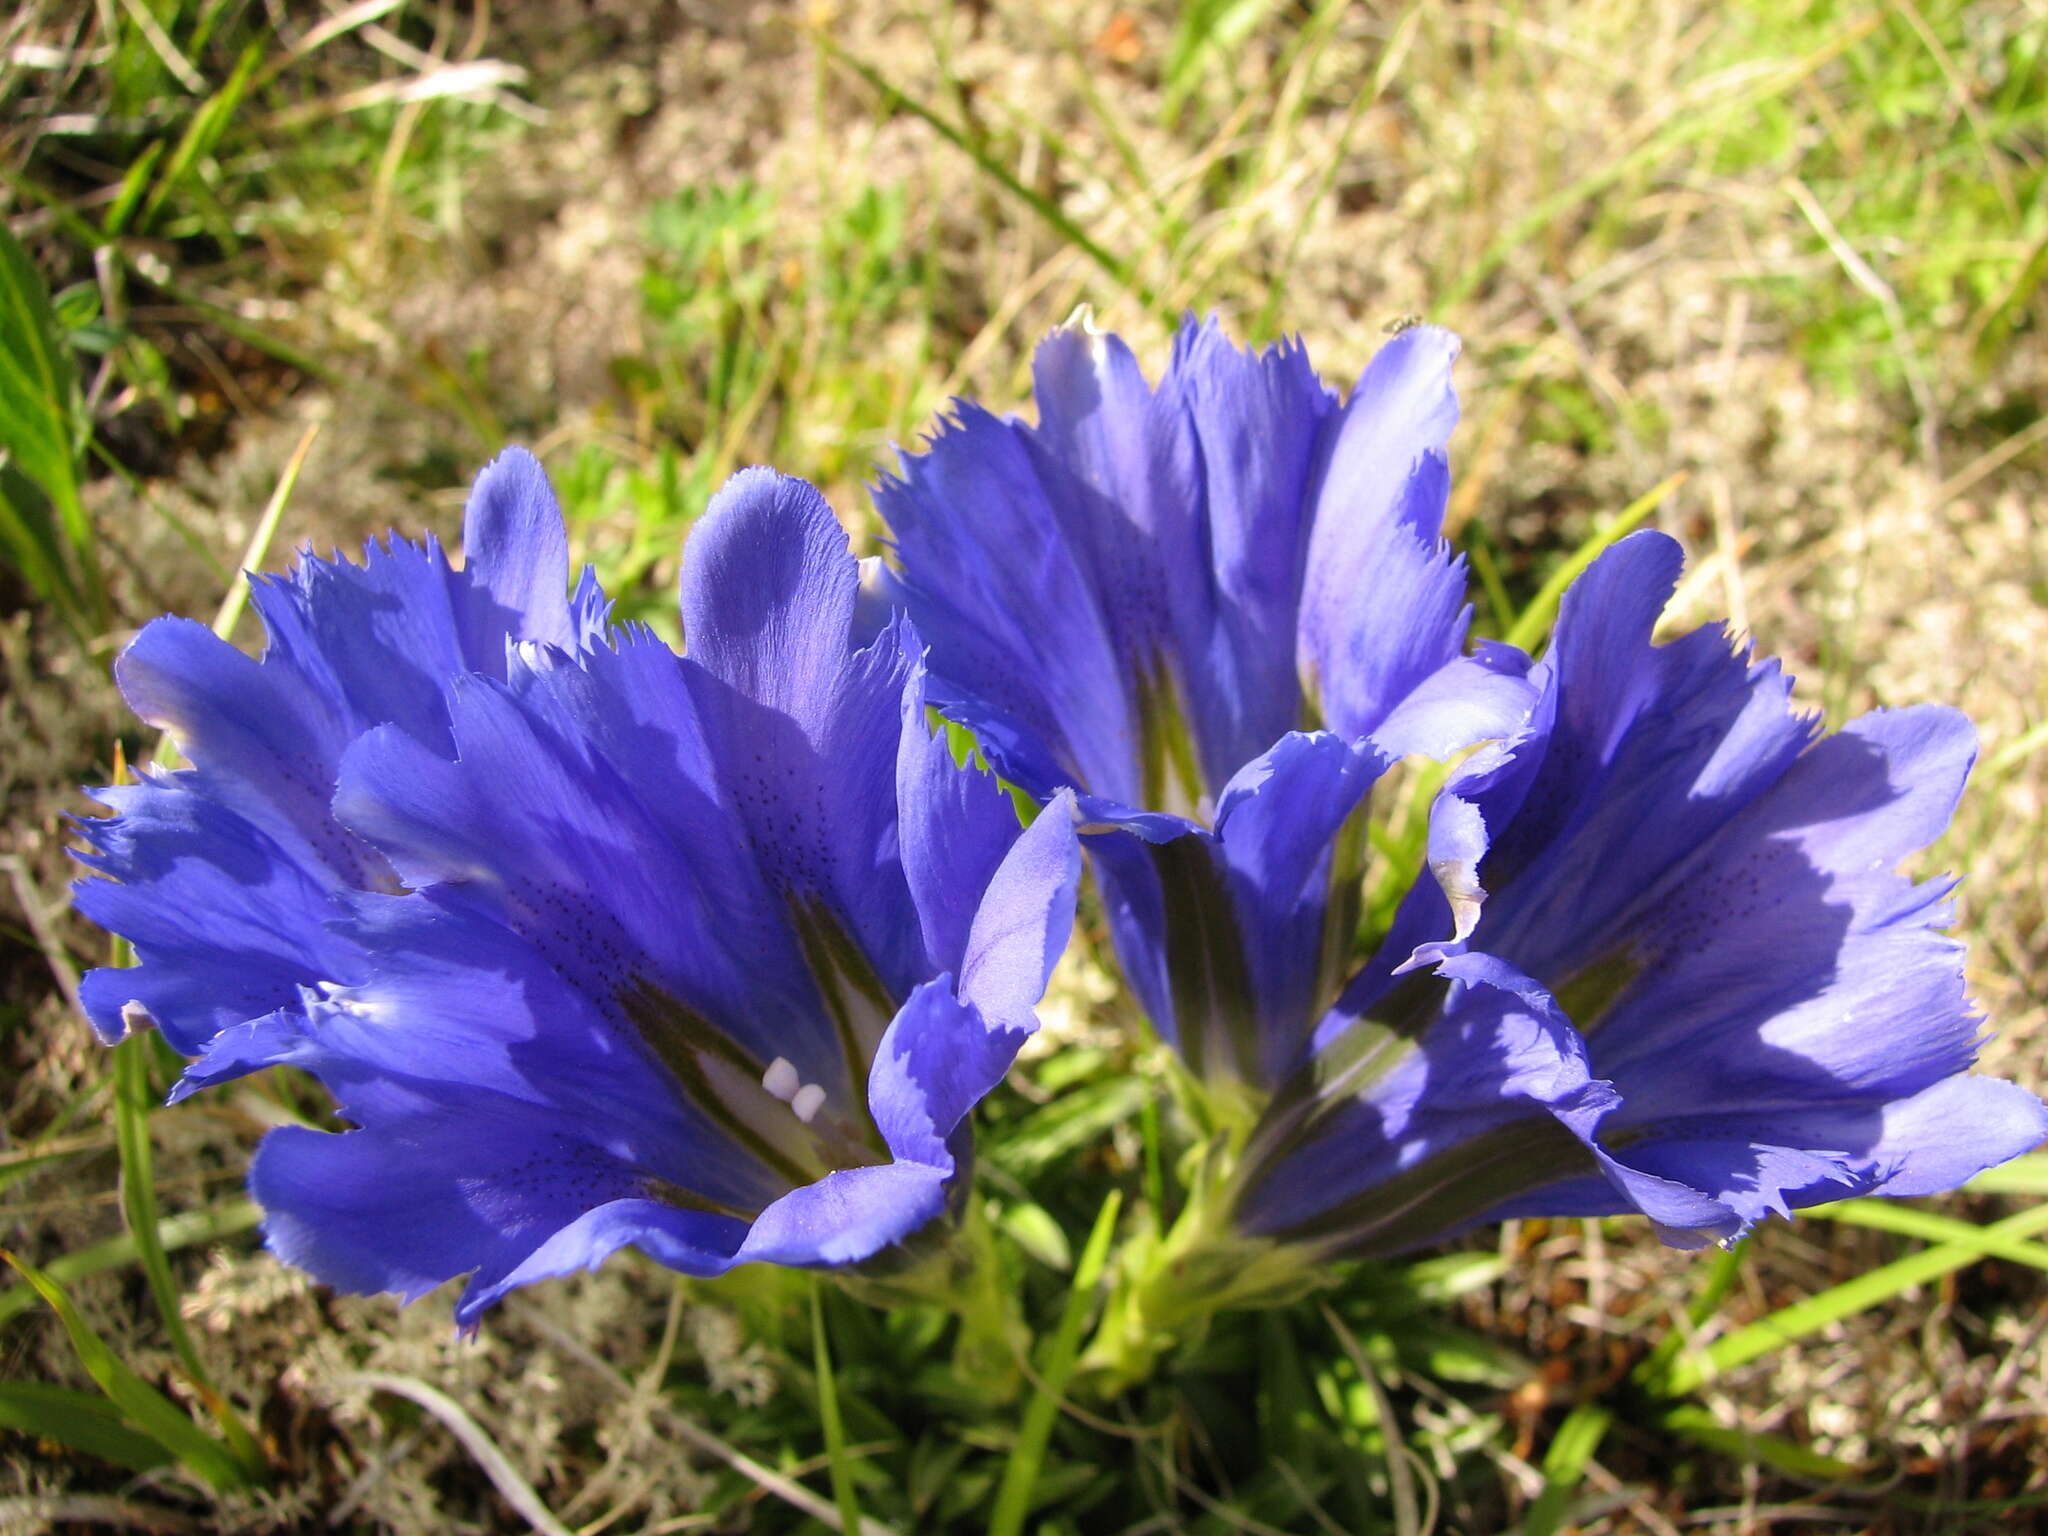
(1663, 964)
(1218, 608)
(709, 955)
(227, 874)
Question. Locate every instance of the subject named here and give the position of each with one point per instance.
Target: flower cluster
(713, 954)
(594, 944)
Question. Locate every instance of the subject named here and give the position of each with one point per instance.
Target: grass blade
(37, 1156)
(1910, 1221)
(147, 1409)
(1400, 1477)
(203, 133)
(39, 434)
(1699, 1425)
(1020, 1475)
(172, 1233)
(1684, 127)
(236, 598)
(2017, 751)
(133, 1101)
(1206, 30)
(828, 1413)
(244, 331)
(493, 1462)
(1655, 1369)
(1534, 621)
(763, 1477)
(1846, 1300)
(133, 184)
(78, 1421)
(1057, 217)
(1564, 1466)
(2022, 1176)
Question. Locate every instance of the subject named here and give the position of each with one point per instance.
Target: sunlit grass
(222, 219)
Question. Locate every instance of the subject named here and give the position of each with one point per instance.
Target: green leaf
(78, 1421)
(133, 185)
(1071, 1121)
(1032, 1228)
(1445, 1352)
(31, 543)
(38, 392)
(1444, 1279)
(141, 1404)
(1286, 1396)
(1020, 1475)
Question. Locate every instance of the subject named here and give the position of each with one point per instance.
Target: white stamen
(781, 1080)
(808, 1101)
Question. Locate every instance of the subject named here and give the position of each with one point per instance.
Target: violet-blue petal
(956, 826)
(1023, 920)
(1482, 697)
(689, 1242)
(516, 557)
(1120, 472)
(1383, 598)
(1665, 862)
(622, 870)
(1134, 906)
(667, 958)
(1497, 1053)
(1278, 826)
(225, 923)
(805, 725)
(1128, 597)
(1917, 1151)
(471, 1186)
(1014, 616)
(1208, 541)
(849, 1215)
(251, 1045)
(947, 1049)
(262, 740)
(1234, 568)
(1650, 751)
(940, 1057)
(349, 647)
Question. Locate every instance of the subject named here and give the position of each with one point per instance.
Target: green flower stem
(1168, 1288)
